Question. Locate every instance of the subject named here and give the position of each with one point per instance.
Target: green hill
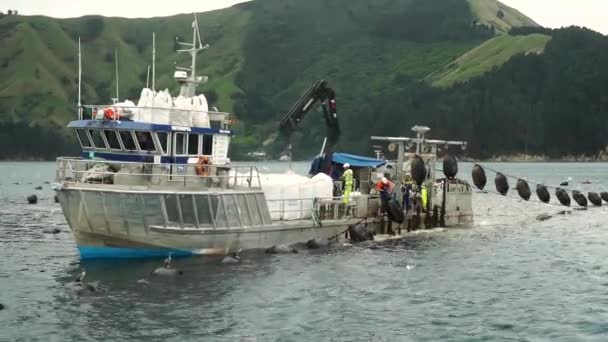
(487, 56)
(377, 56)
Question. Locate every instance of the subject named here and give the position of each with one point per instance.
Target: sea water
(508, 277)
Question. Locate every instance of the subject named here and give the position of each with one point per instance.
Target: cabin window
(83, 137)
(173, 215)
(181, 139)
(144, 139)
(152, 210)
(218, 210)
(112, 139)
(207, 144)
(231, 210)
(127, 141)
(186, 203)
(244, 209)
(97, 138)
(193, 144)
(162, 140)
(204, 210)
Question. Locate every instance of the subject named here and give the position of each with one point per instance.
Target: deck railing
(320, 209)
(77, 170)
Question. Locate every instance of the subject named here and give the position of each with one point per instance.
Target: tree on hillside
(10, 12)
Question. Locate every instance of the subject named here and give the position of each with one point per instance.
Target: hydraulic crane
(319, 92)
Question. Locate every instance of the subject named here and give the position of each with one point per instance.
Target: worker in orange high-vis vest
(385, 187)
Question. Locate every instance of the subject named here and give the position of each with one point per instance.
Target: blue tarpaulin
(356, 161)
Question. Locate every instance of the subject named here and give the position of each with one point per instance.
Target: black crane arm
(318, 92)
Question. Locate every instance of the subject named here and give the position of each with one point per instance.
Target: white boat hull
(111, 225)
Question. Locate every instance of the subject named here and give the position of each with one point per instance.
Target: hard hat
(346, 166)
(384, 180)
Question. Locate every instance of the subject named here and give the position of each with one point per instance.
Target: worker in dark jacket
(407, 189)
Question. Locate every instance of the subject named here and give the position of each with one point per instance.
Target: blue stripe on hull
(102, 252)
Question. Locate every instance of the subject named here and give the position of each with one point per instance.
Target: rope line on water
(518, 198)
(523, 200)
(531, 181)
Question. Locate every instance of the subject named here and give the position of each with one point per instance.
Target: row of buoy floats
(542, 192)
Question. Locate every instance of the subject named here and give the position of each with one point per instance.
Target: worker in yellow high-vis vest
(425, 196)
(347, 177)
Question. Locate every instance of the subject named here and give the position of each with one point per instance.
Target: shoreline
(520, 158)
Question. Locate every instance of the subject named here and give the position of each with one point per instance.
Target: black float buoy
(502, 185)
(450, 166)
(604, 196)
(579, 198)
(542, 193)
(562, 196)
(595, 199)
(281, 249)
(32, 199)
(418, 170)
(317, 243)
(52, 230)
(523, 189)
(479, 176)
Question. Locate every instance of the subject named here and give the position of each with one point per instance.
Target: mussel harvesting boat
(154, 178)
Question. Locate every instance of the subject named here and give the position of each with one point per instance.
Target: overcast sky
(550, 13)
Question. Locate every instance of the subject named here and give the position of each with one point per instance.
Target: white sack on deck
(291, 196)
(99, 173)
(162, 107)
(146, 99)
(200, 109)
(126, 109)
(180, 116)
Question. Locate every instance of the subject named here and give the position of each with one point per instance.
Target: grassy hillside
(39, 58)
(487, 56)
(498, 15)
(264, 54)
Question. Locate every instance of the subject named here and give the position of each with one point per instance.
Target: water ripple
(511, 278)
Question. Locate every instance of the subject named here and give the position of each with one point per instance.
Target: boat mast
(79, 81)
(116, 67)
(189, 83)
(153, 60)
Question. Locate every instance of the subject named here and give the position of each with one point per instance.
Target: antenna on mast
(116, 65)
(190, 82)
(153, 60)
(79, 81)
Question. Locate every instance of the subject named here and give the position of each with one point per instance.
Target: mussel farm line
(501, 182)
